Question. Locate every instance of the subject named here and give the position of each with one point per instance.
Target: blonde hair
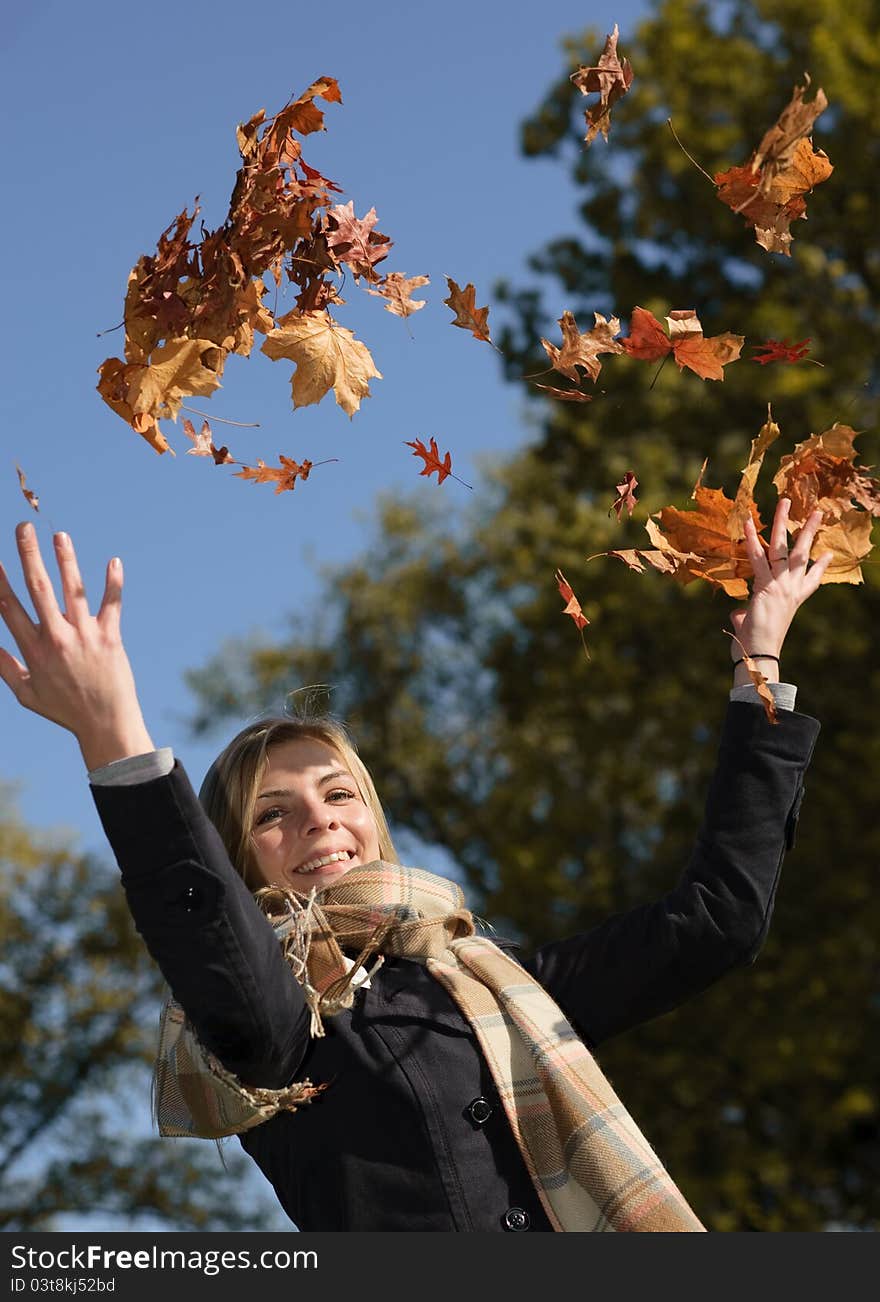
(232, 783)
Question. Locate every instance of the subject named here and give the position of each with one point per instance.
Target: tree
(566, 790)
(79, 1003)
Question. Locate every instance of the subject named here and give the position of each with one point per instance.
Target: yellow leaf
(326, 356)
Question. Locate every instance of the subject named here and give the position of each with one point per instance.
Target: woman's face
(308, 810)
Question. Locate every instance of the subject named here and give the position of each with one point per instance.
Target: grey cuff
(783, 694)
(134, 769)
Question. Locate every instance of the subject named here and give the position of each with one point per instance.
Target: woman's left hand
(782, 583)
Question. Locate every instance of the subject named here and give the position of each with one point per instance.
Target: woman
(386, 1067)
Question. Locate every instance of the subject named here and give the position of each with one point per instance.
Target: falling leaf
(759, 681)
(572, 607)
(744, 503)
(467, 314)
(204, 444)
(31, 496)
(567, 395)
(326, 355)
(626, 495)
(431, 457)
(397, 291)
(284, 476)
(769, 190)
(355, 242)
(649, 342)
(636, 560)
(583, 349)
(611, 79)
(780, 350)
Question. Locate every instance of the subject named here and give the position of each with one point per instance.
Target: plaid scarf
(590, 1164)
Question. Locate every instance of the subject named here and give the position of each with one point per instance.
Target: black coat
(410, 1134)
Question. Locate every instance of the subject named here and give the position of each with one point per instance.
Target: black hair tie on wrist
(756, 656)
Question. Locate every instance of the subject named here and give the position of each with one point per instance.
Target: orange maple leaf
(582, 349)
(707, 358)
(467, 315)
(30, 495)
(572, 607)
(611, 79)
(283, 476)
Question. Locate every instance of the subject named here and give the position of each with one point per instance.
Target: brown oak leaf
(204, 444)
(582, 349)
(284, 477)
(467, 315)
(397, 290)
(30, 495)
(572, 607)
(626, 495)
(611, 79)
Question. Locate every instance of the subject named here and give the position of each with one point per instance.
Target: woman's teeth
(314, 864)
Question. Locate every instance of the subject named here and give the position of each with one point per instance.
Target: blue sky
(118, 115)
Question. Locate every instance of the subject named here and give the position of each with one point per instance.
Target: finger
(756, 553)
(778, 550)
(815, 574)
(76, 606)
(800, 552)
(14, 674)
(110, 614)
(39, 585)
(15, 617)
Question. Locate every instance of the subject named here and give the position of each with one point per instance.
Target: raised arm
(215, 948)
(644, 962)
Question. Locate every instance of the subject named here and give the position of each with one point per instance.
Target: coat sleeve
(214, 946)
(644, 962)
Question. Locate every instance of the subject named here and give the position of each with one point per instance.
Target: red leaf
(780, 350)
(431, 458)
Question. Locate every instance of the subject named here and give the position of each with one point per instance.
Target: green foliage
(79, 1002)
(566, 790)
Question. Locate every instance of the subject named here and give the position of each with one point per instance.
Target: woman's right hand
(75, 669)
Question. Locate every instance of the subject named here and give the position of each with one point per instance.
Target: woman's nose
(318, 817)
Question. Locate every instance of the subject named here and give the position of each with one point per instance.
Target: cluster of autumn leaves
(707, 542)
(195, 301)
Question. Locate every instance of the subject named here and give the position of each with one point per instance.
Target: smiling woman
(285, 793)
(386, 1065)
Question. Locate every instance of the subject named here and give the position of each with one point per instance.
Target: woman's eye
(269, 814)
(341, 791)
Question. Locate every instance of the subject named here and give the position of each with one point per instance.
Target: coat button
(516, 1219)
(190, 899)
(479, 1111)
